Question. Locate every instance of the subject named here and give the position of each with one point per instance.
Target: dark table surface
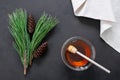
(50, 66)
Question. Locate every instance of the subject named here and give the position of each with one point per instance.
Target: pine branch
(18, 29)
(45, 24)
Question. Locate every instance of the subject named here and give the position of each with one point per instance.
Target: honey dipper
(74, 50)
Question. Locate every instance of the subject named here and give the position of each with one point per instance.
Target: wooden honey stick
(74, 50)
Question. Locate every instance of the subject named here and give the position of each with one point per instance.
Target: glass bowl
(84, 48)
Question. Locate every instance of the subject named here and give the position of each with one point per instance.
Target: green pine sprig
(18, 29)
(18, 23)
(45, 24)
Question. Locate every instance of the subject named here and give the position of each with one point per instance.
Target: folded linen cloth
(108, 14)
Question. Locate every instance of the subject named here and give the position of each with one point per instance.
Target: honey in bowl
(74, 59)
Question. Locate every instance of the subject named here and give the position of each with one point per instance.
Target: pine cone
(41, 49)
(31, 24)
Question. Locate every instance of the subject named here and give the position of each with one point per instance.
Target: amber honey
(74, 59)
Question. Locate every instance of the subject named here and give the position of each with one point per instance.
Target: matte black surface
(50, 66)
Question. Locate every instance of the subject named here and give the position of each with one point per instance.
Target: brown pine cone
(41, 49)
(31, 24)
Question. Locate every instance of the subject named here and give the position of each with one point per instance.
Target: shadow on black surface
(89, 21)
(84, 75)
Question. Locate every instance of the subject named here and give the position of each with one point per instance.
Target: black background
(50, 66)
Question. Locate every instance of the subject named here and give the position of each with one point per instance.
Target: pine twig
(45, 24)
(18, 29)
(18, 23)
(25, 69)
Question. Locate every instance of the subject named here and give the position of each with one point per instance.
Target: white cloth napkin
(108, 12)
